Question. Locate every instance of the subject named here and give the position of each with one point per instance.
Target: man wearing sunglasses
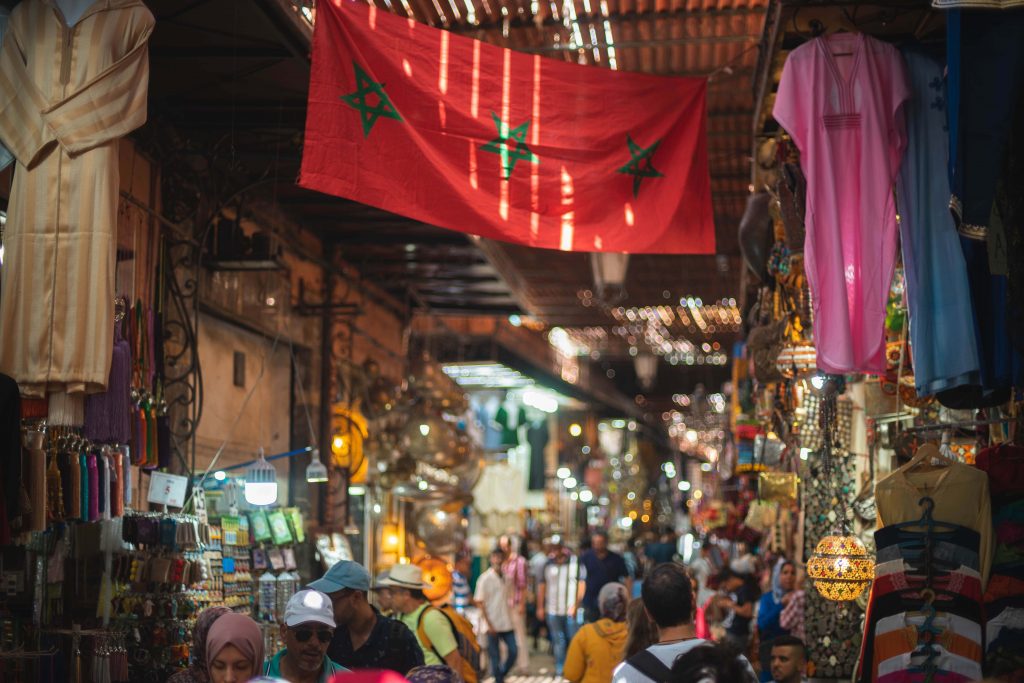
(306, 632)
(365, 638)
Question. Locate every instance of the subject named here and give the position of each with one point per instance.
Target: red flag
(515, 147)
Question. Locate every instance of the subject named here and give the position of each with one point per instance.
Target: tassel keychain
(116, 490)
(126, 469)
(66, 410)
(151, 454)
(83, 463)
(94, 489)
(74, 490)
(107, 415)
(33, 444)
(139, 437)
(54, 497)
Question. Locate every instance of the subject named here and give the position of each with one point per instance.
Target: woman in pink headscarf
(196, 671)
(234, 649)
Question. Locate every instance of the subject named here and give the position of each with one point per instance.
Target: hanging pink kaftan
(841, 100)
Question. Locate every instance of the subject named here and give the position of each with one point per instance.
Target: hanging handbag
(779, 487)
(797, 359)
(765, 343)
(791, 190)
(768, 450)
(864, 505)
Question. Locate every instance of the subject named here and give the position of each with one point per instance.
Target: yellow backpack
(468, 647)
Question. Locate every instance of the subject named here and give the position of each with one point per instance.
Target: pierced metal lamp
(840, 567)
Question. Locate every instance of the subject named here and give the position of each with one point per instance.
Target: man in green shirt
(409, 602)
(307, 630)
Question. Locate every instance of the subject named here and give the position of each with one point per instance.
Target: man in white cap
(434, 631)
(365, 638)
(307, 630)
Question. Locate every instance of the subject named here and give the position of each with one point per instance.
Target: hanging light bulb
(389, 538)
(261, 482)
(316, 471)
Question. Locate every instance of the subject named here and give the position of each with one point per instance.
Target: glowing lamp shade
(389, 538)
(841, 568)
(316, 471)
(261, 482)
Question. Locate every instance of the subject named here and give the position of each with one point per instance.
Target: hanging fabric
(845, 116)
(941, 320)
(6, 158)
(69, 97)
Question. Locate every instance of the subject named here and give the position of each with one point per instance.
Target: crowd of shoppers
(703, 622)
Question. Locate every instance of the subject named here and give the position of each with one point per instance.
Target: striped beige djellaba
(66, 95)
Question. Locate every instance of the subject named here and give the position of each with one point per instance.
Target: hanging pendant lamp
(840, 567)
(316, 471)
(261, 482)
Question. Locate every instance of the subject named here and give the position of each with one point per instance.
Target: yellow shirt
(961, 497)
(438, 630)
(595, 651)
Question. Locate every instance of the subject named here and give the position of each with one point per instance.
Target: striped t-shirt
(462, 597)
(562, 581)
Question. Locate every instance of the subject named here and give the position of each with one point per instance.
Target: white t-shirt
(562, 581)
(493, 593)
(667, 654)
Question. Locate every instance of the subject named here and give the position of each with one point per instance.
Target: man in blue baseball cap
(364, 638)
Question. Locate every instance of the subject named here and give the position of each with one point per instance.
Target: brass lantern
(841, 567)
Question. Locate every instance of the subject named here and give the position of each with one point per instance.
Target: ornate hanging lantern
(840, 566)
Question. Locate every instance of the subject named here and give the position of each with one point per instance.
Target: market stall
(876, 408)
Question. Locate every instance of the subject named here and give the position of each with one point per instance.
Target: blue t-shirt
(598, 572)
(272, 667)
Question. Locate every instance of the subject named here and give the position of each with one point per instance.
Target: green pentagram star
(640, 166)
(359, 100)
(501, 145)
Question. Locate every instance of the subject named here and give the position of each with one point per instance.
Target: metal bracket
(310, 308)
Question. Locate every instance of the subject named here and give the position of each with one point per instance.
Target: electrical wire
(302, 392)
(238, 418)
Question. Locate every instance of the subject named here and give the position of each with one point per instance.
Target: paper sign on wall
(167, 489)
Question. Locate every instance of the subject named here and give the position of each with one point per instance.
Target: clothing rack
(944, 426)
(28, 654)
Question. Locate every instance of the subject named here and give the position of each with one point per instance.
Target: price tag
(167, 489)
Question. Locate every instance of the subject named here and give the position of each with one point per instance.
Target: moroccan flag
(514, 147)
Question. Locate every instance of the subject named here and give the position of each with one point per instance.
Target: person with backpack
(444, 636)
(493, 600)
(364, 638)
(668, 598)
